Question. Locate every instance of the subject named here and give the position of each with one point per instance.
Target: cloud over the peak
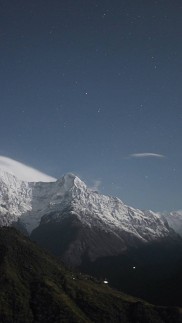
(96, 185)
(22, 171)
(146, 155)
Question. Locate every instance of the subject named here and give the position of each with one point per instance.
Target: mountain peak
(69, 180)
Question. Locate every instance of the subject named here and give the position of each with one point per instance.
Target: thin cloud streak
(22, 171)
(147, 155)
(96, 185)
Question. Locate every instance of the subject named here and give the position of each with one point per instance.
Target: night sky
(95, 88)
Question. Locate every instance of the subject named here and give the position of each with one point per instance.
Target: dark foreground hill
(151, 271)
(36, 288)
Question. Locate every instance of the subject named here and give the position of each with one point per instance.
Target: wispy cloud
(23, 171)
(147, 155)
(96, 184)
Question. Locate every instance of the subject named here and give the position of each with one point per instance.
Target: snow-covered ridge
(29, 202)
(15, 198)
(174, 220)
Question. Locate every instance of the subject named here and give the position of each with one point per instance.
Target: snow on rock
(29, 202)
(15, 198)
(174, 220)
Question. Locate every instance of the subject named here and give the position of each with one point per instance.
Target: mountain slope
(15, 198)
(36, 288)
(174, 220)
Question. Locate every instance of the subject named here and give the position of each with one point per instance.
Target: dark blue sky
(85, 84)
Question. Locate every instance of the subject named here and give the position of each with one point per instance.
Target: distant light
(134, 267)
(105, 282)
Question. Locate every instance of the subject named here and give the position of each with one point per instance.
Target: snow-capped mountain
(29, 202)
(104, 212)
(100, 224)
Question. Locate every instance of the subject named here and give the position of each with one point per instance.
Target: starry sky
(94, 88)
